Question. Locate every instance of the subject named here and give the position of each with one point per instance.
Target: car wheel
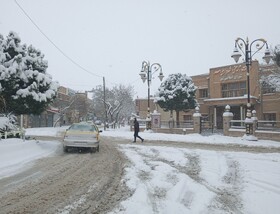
(93, 150)
(65, 149)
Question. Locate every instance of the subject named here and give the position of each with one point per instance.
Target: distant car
(98, 122)
(82, 135)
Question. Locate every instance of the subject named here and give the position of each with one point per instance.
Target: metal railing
(237, 124)
(268, 125)
(264, 125)
(179, 124)
(167, 123)
(175, 124)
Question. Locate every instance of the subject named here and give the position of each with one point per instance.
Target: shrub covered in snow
(177, 93)
(7, 122)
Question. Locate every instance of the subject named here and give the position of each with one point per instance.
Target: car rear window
(82, 127)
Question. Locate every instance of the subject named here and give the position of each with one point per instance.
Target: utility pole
(104, 88)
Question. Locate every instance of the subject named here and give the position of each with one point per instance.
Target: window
(269, 116)
(187, 117)
(236, 89)
(82, 127)
(203, 93)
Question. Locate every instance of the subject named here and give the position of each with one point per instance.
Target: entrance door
(219, 119)
(220, 110)
(236, 112)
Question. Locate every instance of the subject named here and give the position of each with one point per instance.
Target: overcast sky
(112, 38)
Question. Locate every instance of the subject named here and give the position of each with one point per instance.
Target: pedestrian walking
(136, 131)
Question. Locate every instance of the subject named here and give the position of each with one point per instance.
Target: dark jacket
(136, 126)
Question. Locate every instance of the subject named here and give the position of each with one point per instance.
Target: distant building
(68, 107)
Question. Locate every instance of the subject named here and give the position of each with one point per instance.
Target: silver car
(82, 135)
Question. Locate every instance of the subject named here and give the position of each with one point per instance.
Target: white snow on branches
(26, 70)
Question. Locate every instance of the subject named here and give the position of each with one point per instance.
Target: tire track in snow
(265, 185)
(69, 179)
(227, 196)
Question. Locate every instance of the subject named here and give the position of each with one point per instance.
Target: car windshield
(82, 127)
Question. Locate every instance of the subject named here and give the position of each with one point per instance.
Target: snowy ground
(177, 180)
(16, 155)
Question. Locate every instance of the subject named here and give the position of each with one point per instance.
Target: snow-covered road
(166, 174)
(179, 180)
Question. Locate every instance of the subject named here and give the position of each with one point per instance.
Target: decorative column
(227, 117)
(250, 130)
(196, 121)
(155, 119)
(148, 122)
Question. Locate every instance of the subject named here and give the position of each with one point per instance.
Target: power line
(59, 49)
(62, 52)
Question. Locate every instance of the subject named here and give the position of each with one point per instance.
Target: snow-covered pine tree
(24, 84)
(270, 74)
(270, 78)
(276, 57)
(177, 93)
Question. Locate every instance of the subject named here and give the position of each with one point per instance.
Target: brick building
(227, 85)
(68, 107)
(142, 108)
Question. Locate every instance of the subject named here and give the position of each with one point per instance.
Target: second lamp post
(239, 45)
(146, 74)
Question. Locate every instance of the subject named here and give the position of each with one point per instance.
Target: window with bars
(235, 89)
(203, 93)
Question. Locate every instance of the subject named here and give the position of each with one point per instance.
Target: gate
(207, 126)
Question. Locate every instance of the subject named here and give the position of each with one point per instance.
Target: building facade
(141, 108)
(227, 85)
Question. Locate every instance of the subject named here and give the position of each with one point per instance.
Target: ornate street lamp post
(146, 74)
(239, 45)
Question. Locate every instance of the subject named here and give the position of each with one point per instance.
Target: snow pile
(16, 154)
(46, 131)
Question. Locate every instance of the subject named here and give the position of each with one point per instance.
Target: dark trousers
(136, 135)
